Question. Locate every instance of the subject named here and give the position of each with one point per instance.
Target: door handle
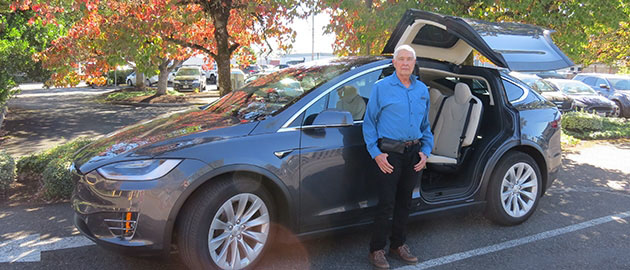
(281, 154)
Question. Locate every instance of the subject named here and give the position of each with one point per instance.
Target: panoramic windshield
(188, 72)
(575, 88)
(271, 93)
(620, 84)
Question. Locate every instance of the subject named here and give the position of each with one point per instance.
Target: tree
(20, 38)
(363, 26)
(235, 23)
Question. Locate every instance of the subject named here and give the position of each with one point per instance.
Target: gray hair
(404, 48)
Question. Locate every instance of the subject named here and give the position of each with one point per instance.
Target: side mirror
(603, 85)
(333, 118)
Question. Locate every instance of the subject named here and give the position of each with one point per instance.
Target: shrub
(120, 77)
(32, 166)
(57, 179)
(580, 121)
(7, 170)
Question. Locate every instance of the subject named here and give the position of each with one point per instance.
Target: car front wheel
(514, 189)
(619, 111)
(129, 83)
(226, 225)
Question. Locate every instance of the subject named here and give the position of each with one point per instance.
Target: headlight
(138, 169)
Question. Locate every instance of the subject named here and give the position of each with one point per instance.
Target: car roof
(605, 75)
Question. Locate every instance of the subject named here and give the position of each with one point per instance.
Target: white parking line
(28, 248)
(515, 242)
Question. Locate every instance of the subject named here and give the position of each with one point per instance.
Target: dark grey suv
(282, 152)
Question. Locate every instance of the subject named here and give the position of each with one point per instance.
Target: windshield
(188, 72)
(575, 87)
(620, 84)
(539, 85)
(271, 93)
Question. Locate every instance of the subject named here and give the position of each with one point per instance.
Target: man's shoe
(404, 254)
(377, 258)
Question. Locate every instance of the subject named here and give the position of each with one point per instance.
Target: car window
(599, 82)
(314, 110)
(514, 92)
(188, 72)
(621, 84)
(589, 80)
(542, 86)
(353, 95)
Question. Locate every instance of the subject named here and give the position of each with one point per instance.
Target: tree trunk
(224, 52)
(139, 80)
(3, 111)
(162, 77)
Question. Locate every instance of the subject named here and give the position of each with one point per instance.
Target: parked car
(614, 87)
(131, 79)
(251, 69)
(216, 181)
(212, 76)
(190, 78)
(585, 97)
(563, 101)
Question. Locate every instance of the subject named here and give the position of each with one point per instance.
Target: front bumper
(133, 216)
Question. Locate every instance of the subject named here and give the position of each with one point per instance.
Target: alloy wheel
(519, 189)
(239, 231)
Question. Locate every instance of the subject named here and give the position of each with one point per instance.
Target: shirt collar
(396, 81)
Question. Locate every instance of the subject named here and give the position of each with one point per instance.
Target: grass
(125, 95)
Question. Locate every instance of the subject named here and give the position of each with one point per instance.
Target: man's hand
(383, 164)
(423, 162)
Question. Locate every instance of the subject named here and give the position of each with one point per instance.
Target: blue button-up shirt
(397, 112)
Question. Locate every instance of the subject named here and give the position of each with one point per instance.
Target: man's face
(404, 63)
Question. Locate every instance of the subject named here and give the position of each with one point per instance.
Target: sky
(303, 40)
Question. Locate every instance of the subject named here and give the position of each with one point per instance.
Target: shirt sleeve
(427, 135)
(370, 134)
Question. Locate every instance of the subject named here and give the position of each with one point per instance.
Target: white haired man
(398, 137)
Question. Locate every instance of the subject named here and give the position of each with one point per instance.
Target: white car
(131, 79)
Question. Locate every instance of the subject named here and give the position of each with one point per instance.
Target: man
(398, 137)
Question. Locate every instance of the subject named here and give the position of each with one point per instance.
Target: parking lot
(582, 223)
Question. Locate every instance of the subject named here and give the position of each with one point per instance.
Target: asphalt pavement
(581, 223)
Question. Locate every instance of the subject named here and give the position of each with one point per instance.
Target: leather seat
(435, 98)
(452, 130)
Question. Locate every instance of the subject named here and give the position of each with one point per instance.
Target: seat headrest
(462, 93)
(434, 94)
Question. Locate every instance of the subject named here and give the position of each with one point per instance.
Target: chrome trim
(284, 127)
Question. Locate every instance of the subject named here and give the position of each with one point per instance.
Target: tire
(502, 193)
(619, 112)
(129, 83)
(208, 213)
(213, 79)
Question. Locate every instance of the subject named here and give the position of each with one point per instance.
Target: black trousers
(394, 198)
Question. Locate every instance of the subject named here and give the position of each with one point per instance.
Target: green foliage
(568, 140)
(7, 170)
(57, 179)
(19, 40)
(32, 166)
(588, 126)
(579, 121)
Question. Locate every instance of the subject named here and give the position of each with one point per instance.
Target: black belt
(411, 143)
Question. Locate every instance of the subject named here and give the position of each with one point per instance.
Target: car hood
(555, 96)
(180, 78)
(160, 135)
(593, 100)
(519, 47)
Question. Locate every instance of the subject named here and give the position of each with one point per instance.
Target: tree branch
(192, 46)
(264, 32)
(233, 48)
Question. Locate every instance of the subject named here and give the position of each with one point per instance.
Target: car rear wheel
(226, 225)
(514, 189)
(619, 111)
(129, 83)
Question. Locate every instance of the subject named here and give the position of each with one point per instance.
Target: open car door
(518, 47)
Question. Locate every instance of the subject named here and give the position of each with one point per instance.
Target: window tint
(589, 80)
(513, 91)
(353, 95)
(600, 81)
(314, 110)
